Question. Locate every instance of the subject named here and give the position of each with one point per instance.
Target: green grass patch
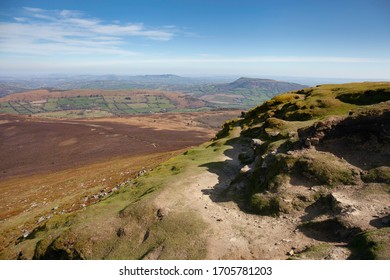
(166, 106)
(326, 169)
(377, 175)
(263, 204)
(7, 108)
(138, 105)
(162, 100)
(372, 245)
(125, 225)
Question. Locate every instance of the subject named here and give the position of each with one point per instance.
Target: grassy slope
(125, 225)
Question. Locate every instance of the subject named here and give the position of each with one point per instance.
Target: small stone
(292, 134)
(307, 143)
(161, 213)
(245, 169)
(314, 141)
(102, 194)
(274, 133)
(219, 220)
(290, 253)
(256, 143)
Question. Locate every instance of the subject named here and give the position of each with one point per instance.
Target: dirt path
(232, 233)
(235, 234)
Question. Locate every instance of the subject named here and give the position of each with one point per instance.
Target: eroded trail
(232, 233)
(235, 234)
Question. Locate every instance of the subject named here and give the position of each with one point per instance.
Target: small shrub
(325, 169)
(283, 98)
(299, 115)
(265, 205)
(275, 123)
(378, 175)
(175, 170)
(224, 132)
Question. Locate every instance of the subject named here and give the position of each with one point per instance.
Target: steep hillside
(305, 175)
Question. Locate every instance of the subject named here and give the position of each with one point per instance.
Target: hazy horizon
(309, 81)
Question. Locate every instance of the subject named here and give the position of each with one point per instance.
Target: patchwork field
(98, 103)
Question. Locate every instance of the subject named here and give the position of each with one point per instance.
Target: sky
(302, 38)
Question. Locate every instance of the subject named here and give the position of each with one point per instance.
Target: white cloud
(20, 19)
(33, 10)
(53, 32)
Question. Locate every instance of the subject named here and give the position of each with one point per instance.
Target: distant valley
(115, 96)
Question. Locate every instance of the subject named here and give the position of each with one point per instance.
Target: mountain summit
(266, 84)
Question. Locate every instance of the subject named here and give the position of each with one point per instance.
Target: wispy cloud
(70, 32)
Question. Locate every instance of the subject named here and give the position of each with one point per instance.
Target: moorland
(303, 175)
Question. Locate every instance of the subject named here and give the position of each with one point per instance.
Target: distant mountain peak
(266, 84)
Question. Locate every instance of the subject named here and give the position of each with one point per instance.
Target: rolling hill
(267, 85)
(244, 92)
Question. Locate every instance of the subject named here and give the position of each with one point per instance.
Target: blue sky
(341, 39)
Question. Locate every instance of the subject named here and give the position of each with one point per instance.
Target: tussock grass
(372, 245)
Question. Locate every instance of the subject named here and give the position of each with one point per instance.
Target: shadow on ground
(226, 171)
